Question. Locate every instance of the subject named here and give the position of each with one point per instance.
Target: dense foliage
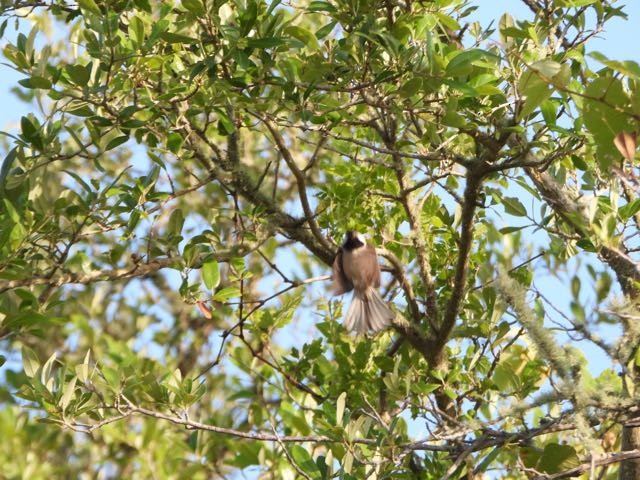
(171, 208)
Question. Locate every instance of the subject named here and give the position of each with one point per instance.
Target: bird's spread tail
(368, 312)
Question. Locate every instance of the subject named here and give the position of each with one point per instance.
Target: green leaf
(340, 405)
(513, 206)
(411, 87)
(226, 293)
(136, 30)
(89, 5)
(171, 37)
(630, 209)
(225, 125)
(462, 63)
(579, 3)
(69, 391)
(176, 221)
(557, 458)
(293, 417)
(174, 142)
(30, 362)
(507, 230)
(3, 27)
(134, 219)
(530, 456)
(143, 5)
(194, 6)
(505, 378)
(28, 47)
(604, 116)
(347, 462)
(536, 84)
(264, 43)
(30, 132)
(116, 142)
(83, 111)
(326, 30)
(82, 370)
(321, 6)
(549, 112)
(46, 372)
(78, 74)
(211, 274)
(111, 376)
(35, 82)
(11, 211)
(304, 35)
(534, 90)
(628, 67)
(304, 461)
(248, 17)
(463, 87)
(547, 67)
(448, 21)
(488, 460)
(6, 167)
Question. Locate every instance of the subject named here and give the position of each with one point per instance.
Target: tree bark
(630, 469)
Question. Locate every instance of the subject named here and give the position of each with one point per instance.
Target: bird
(356, 268)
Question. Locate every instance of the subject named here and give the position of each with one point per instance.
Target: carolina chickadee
(356, 268)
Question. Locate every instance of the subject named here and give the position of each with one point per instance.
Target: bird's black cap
(352, 240)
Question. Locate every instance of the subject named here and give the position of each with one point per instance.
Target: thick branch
(418, 236)
(474, 181)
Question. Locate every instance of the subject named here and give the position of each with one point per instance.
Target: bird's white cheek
(361, 237)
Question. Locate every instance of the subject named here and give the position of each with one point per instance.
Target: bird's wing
(370, 267)
(341, 283)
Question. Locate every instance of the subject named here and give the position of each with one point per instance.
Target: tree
(171, 208)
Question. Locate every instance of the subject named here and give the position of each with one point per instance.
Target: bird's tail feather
(368, 312)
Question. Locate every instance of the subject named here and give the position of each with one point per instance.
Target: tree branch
(235, 175)
(472, 189)
(608, 459)
(136, 270)
(627, 270)
(301, 183)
